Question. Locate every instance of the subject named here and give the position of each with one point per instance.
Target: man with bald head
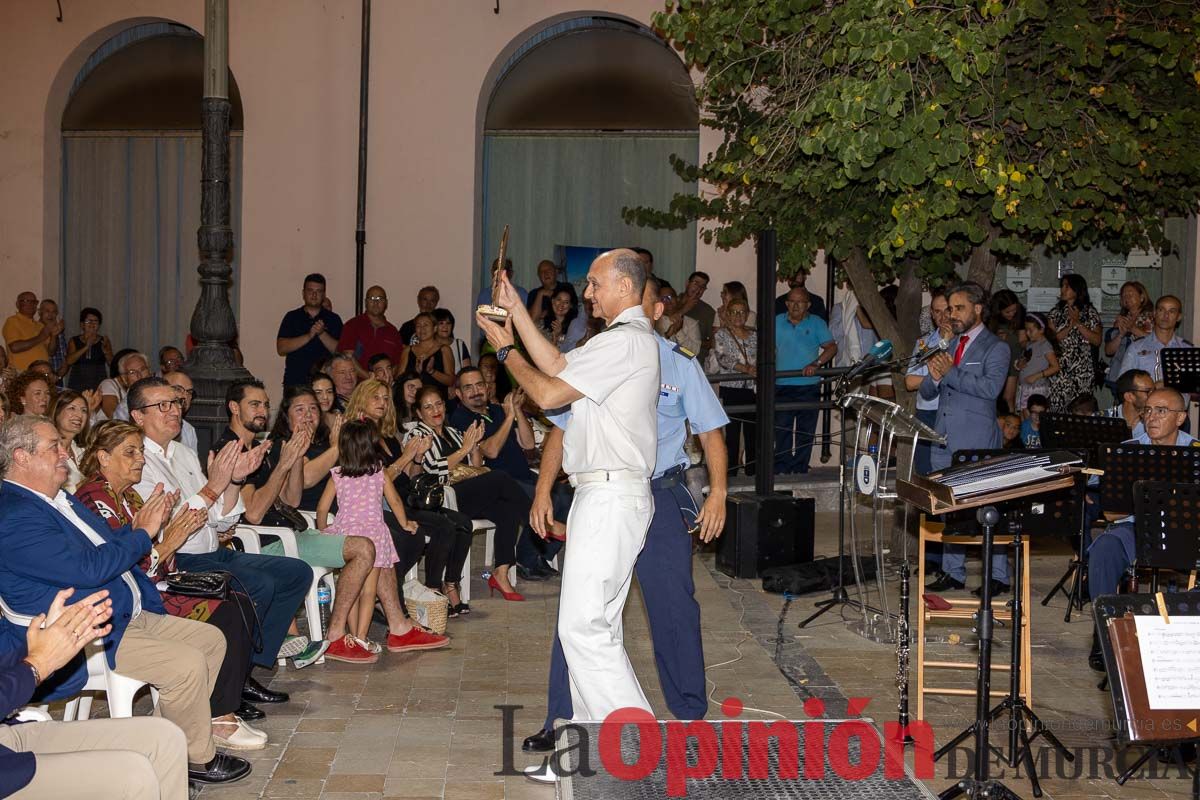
(1113, 551)
(370, 333)
(609, 452)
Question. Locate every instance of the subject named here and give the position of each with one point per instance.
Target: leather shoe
(255, 692)
(223, 768)
(547, 568)
(998, 589)
(249, 713)
(1095, 656)
(540, 742)
(945, 583)
(529, 574)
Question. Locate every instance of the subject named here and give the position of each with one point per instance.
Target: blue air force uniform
(664, 567)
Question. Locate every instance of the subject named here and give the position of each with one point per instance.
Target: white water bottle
(324, 599)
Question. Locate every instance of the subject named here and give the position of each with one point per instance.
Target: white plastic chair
(251, 538)
(477, 526)
(119, 689)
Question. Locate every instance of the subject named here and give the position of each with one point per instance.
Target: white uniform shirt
(614, 425)
(178, 467)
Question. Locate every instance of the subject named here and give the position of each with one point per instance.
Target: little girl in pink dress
(361, 487)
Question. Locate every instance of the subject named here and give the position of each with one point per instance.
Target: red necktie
(962, 345)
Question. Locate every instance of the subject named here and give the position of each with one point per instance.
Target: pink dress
(360, 513)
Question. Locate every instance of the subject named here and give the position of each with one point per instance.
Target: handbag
(462, 472)
(426, 493)
(291, 515)
(214, 584)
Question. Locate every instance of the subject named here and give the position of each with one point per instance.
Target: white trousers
(605, 532)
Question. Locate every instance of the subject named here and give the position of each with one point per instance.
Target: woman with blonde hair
(1135, 321)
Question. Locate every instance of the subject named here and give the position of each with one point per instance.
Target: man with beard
(249, 414)
(966, 385)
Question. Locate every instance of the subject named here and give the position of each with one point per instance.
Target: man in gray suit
(966, 385)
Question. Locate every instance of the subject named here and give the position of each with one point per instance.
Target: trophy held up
(491, 310)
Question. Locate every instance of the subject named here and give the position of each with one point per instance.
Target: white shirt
(614, 426)
(178, 467)
(187, 436)
(62, 505)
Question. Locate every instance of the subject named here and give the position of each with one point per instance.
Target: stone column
(211, 364)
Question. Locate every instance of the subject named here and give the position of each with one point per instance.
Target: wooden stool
(965, 610)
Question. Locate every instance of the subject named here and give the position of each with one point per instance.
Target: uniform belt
(669, 479)
(603, 476)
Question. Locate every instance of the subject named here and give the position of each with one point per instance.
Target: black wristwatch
(242, 482)
(502, 353)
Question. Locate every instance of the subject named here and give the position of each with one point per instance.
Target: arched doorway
(131, 185)
(581, 122)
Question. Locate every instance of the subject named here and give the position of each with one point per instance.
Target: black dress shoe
(529, 574)
(1095, 656)
(945, 583)
(249, 713)
(540, 742)
(255, 692)
(546, 567)
(223, 768)
(998, 589)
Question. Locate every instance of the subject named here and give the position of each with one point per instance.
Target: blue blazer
(967, 399)
(41, 552)
(16, 687)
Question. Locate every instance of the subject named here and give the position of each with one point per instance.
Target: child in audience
(361, 487)
(1010, 431)
(1039, 362)
(1031, 435)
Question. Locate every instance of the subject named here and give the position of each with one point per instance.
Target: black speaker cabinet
(764, 531)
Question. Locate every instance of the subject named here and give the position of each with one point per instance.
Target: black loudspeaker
(764, 531)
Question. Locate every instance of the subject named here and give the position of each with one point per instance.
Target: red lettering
(678, 768)
(868, 750)
(814, 751)
(893, 757)
(649, 744)
(731, 740)
(759, 735)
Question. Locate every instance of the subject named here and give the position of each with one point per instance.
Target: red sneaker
(349, 650)
(415, 639)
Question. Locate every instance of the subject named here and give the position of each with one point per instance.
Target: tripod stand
(1023, 726)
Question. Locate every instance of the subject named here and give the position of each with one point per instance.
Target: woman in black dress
(428, 357)
(89, 353)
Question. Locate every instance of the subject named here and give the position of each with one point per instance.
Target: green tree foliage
(905, 136)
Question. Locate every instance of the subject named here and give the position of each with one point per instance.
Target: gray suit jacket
(967, 399)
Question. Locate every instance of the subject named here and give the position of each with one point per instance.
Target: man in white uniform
(611, 384)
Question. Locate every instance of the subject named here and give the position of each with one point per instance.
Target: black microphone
(943, 346)
(880, 352)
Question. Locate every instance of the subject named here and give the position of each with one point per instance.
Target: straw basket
(428, 607)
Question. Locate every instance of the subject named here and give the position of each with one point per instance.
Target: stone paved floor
(425, 726)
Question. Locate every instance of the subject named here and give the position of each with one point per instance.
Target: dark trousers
(235, 619)
(740, 425)
(532, 550)
(787, 461)
(449, 533)
(277, 585)
(664, 570)
(496, 496)
(1109, 556)
(922, 464)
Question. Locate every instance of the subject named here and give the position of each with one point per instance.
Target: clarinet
(902, 654)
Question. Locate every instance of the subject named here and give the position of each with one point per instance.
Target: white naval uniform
(608, 451)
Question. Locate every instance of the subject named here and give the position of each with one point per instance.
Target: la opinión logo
(730, 749)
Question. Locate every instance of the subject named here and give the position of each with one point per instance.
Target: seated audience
(1112, 552)
(276, 585)
(170, 358)
(130, 367)
(113, 464)
(1084, 405)
(187, 393)
(735, 345)
(1031, 436)
(539, 301)
(89, 353)
(490, 495)
(70, 416)
(30, 394)
(1132, 389)
(449, 531)
(404, 397)
(342, 369)
(51, 540)
(380, 368)
(323, 389)
(146, 757)
(1010, 431)
(445, 336)
(428, 298)
(428, 357)
(496, 379)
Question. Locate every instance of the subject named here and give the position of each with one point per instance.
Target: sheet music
(1170, 653)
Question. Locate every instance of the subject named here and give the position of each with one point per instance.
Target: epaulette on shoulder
(683, 351)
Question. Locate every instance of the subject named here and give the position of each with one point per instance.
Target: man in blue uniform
(664, 567)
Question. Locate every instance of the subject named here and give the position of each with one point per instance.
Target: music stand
(1167, 517)
(1076, 432)
(1181, 368)
(1137, 723)
(1126, 464)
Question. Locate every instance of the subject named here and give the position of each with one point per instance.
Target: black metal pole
(764, 473)
(827, 389)
(360, 233)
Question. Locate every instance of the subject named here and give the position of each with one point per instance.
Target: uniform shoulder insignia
(683, 351)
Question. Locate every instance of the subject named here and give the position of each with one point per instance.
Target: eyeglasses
(376, 297)
(668, 298)
(164, 405)
(186, 392)
(1149, 412)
